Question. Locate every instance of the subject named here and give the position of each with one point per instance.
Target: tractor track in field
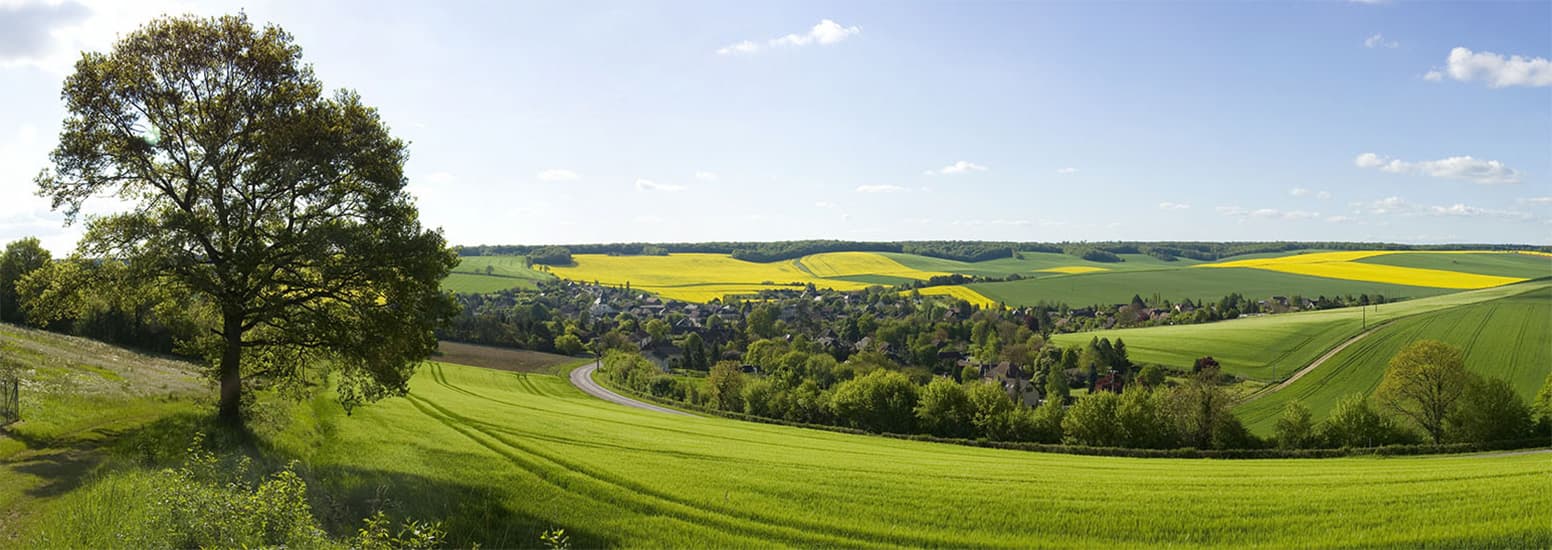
(1315, 364)
(582, 378)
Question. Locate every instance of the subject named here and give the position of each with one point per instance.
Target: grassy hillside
(1503, 338)
(1177, 284)
(1529, 266)
(471, 276)
(1256, 347)
(79, 399)
(500, 456)
(531, 449)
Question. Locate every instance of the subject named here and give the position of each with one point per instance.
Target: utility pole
(1365, 310)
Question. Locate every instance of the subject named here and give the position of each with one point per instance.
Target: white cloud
(1340, 219)
(1067, 170)
(823, 33)
(1538, 201)
(879, 188)
(1166, 205)
(825, 204)
(1267, 213)
(960, 167)
(706, 176)
(1496, 70)
(558, 174)
(1398, 206)
(745, 47)
(649, 185)
(1378, 41)
(1305, 192)
(1460, 168)
(976, 222)
(647, 219)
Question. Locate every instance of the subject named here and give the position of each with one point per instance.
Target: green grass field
(1529, 266)
(1503, 338)
(1274, 346)
(1033, 262)
(1177, 284)
(470, 276)
(500, 456)
(531, 448)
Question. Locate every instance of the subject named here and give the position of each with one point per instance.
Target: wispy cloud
(823, 33)
(1537, 201)
(707, 176)
(1460, 168)
(1305, 192)
(1394, 205)
(1379, 41)
(1267, 213)
(1067, 170)
(1166, 205)
(558, 174)
(960, 167)
(1497, 71)
(649, 185)
(879, 189)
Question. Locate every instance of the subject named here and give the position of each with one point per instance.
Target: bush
(943, 409)
(1489, 410)
(1354, 423)
(881, 401)
(1294, 428)
(1092, 422)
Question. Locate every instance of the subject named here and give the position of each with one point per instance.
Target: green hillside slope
(1274, 346)
(1504, 338)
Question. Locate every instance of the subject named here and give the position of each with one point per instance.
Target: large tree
(1424, 383)
(282, 207)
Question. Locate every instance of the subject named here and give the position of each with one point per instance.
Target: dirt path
(1313, 364)
(582, 378)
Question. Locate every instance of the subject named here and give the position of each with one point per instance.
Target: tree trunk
(231, 374)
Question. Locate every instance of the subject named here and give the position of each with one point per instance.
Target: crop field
(1274, 346)
(499, 456)
(531, 449)
(1345, 265)
(848, 264)
(1503, 338)
(694, 277)
(1118, 287)
(1524, 265)
(1036, 264)
(960, 292)
(504, 272)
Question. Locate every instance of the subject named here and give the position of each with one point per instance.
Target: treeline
(966, 251)
(1193, 412)
(101, 301)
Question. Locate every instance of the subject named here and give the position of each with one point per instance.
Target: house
(1013, 380)
(1112, 382)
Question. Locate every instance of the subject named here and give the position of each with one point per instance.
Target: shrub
(944, 409)
(1294, 428)
(1092, 421)
(1489, 410)
(881, 401)
(1354, 423)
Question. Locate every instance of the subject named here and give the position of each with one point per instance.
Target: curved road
(582, 378)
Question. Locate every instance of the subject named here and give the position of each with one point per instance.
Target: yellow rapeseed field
(846, 264)
(1074, 269)
(960, 292)
(692, 277)
(1343, 265)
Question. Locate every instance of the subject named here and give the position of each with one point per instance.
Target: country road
(582, 378)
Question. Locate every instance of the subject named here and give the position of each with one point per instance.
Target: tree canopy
(281, 208)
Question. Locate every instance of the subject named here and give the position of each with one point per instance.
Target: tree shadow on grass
(341, 495)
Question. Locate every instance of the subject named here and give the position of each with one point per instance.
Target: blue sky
(563, 122)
